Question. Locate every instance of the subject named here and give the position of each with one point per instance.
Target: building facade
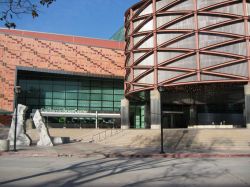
(59, 73)
(198, 51)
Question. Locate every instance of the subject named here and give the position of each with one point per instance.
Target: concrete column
(125, 124)
(247, 105)
(193, 115)
(155, 109)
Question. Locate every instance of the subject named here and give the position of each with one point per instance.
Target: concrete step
(184, 138)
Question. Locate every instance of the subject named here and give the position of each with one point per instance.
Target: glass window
(33, 81)
(107, 104)
(71, 102)
(71, 88)
(118, 97)
(96, 83)
(96, 109)
(46, 82)
(96, 90)
(46, 87)
(22, 83)
(58, 107)
(84, 89)
(71, 107)
(117, 109)
(71, 95)
(59, 82)
(72, 83)
(108, 90)
(96, 97)
(83, 96)
(46, 101)
(59, 88)
(84, 83)
(117, 104)
(83, 108)
(108, 84)
(31, 101)
(107, 109)
(32, 86)
(46, 94)
(71, 92)
(59, 95)
(33, 94)
(95, 104)
(118, 91)
(58, 102)
(83, 103)
(107, 97)
(47, 107)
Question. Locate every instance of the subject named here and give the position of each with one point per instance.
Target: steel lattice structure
(181, 42)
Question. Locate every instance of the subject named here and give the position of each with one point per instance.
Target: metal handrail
(112, 133)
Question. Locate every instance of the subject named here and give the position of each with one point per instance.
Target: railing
(105, 134)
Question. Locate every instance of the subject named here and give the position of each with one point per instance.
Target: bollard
(4, 145)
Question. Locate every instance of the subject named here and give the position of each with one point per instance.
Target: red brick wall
(54, 52)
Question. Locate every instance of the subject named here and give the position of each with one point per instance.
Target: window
(70, 92)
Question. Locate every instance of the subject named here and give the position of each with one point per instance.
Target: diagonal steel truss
(142, 30)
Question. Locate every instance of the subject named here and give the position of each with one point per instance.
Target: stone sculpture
(21, 137)
(45, 139)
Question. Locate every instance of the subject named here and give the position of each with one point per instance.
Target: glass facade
(137, 116)
(66, 92)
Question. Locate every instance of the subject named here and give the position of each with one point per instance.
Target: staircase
(74, 134)
(182, 139)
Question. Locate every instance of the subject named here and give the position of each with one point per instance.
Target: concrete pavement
(80, 149)
(99, 171)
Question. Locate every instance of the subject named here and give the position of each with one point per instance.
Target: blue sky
(89, 18)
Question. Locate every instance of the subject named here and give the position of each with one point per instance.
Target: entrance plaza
(184, 68)
(97, 171)
(186, 62)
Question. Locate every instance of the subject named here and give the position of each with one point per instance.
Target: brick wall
(54, 52)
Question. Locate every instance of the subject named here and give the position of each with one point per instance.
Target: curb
(178, 155)
(119, 155)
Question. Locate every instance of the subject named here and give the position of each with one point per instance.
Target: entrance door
(174, 119)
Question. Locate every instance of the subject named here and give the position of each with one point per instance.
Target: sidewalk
(82, 150)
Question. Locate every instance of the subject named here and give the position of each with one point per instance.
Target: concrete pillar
(247, 105)
(155, 109)
(193, 115)
(125, 124)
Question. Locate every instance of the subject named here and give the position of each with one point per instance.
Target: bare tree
(11, 8)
